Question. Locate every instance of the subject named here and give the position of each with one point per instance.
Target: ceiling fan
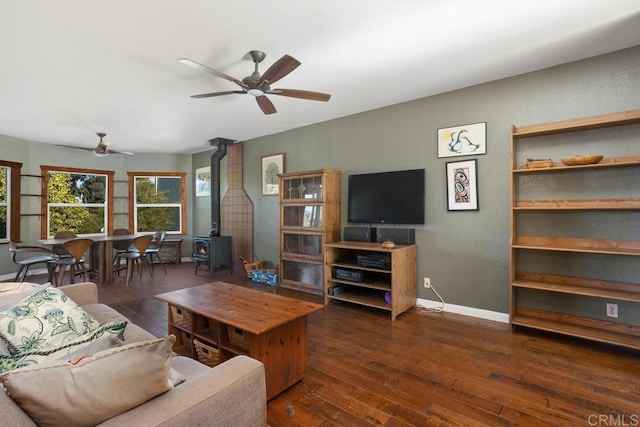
(260, 85)
(102, 150)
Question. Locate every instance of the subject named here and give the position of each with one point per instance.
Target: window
(9, 201)
(159, 202)
(78, 200)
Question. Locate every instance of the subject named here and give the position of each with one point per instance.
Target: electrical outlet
(612, 310)
(427, 282)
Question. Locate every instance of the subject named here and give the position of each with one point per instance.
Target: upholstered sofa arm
(82, 293)
(231, 394)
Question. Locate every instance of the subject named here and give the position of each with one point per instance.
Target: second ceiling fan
(260, 85)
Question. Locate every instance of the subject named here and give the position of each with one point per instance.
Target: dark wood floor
(424, 369)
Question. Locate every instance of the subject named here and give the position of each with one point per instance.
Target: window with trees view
(78, 200)
(159, 202)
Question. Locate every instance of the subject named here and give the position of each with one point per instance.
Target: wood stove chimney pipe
(221, 151)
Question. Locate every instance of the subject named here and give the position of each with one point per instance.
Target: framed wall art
(466, 140)
(203, 181)
(272, 165)
(462, 185)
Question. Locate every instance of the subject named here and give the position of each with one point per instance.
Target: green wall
(33, 154)
(464, 253)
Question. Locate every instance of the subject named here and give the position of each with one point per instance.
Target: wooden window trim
(14, 199)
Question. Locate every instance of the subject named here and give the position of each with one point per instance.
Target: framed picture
(271, 166)
(203, 181)
(466, 140)
(462, 186)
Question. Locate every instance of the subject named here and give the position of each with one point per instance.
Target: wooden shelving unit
(309, 218)
(399, 281)
(549, 299)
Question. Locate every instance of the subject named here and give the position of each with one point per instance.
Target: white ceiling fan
(102, 150)
(259, 85)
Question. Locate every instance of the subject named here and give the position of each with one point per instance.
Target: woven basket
(238, 338)
(182, 317)
(206, 354)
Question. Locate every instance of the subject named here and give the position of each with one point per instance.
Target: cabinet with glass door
(309, 218)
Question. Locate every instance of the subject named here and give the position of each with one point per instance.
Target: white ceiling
(71, 68)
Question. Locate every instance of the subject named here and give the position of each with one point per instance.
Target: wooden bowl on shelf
(589, 159)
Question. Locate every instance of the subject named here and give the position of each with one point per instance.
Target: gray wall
(464, 253)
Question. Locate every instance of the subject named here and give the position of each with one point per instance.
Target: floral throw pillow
(36, 356)
(44, 321)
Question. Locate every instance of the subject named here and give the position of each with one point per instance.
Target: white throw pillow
(96, 388)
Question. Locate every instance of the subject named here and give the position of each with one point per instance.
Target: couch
(232, 393)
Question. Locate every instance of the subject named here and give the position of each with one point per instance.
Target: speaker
(359, 234)
(399, 236)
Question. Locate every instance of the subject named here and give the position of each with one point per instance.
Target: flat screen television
(396, 197)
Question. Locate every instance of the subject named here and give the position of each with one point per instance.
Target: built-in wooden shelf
(594, 204)
(556, 290)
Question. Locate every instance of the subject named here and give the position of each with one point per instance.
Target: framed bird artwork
(466, 140)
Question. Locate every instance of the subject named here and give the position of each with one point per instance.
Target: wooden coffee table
(237, 320)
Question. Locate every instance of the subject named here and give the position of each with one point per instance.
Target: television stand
(396, 283)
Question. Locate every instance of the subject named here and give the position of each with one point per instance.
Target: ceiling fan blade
(302, 94)
(119, 152)
(209, 95)
(265, 104)
(279, 69)
(217, 73)
(77, 148)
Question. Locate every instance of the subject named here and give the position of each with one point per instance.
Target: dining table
(102, 252)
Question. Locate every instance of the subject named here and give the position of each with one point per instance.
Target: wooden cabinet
(368, 274)
(575, 235)
(309, 218)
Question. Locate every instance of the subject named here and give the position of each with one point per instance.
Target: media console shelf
(398, 280)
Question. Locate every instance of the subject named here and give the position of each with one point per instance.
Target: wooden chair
(59, 249)
(76, 250)
(154, 249)
(137, 256)
(25, 256)
(120, 248)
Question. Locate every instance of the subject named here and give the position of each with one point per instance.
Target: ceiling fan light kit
(260, 85)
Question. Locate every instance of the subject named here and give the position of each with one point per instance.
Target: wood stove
(214, 251)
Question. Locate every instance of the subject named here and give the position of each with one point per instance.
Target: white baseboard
(466, 311)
